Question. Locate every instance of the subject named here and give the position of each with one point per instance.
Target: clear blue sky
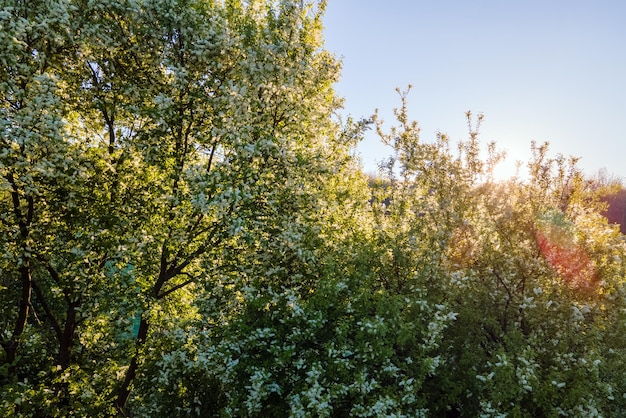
(538, 70)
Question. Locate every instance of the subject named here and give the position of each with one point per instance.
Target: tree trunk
(64, 354)
(66, 340)
(12, 345)
(124, 391)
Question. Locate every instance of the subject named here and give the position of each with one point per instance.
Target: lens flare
(556, 239)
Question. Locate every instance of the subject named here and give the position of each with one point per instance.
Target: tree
(149, 150)
(185, 232)
(531, 270)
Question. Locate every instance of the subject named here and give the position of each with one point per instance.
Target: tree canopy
(186, 230)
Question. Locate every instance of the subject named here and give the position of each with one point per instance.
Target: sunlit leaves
(150, 149)
(186, 232)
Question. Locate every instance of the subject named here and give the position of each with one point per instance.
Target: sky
(550, 70)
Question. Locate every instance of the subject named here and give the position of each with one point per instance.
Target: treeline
(185, 231)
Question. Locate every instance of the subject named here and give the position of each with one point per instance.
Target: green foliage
(150, 150)
(185, 231)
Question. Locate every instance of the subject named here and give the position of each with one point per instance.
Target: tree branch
(178, 286)
(17, 211)
(54, 322)
(55, 276)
